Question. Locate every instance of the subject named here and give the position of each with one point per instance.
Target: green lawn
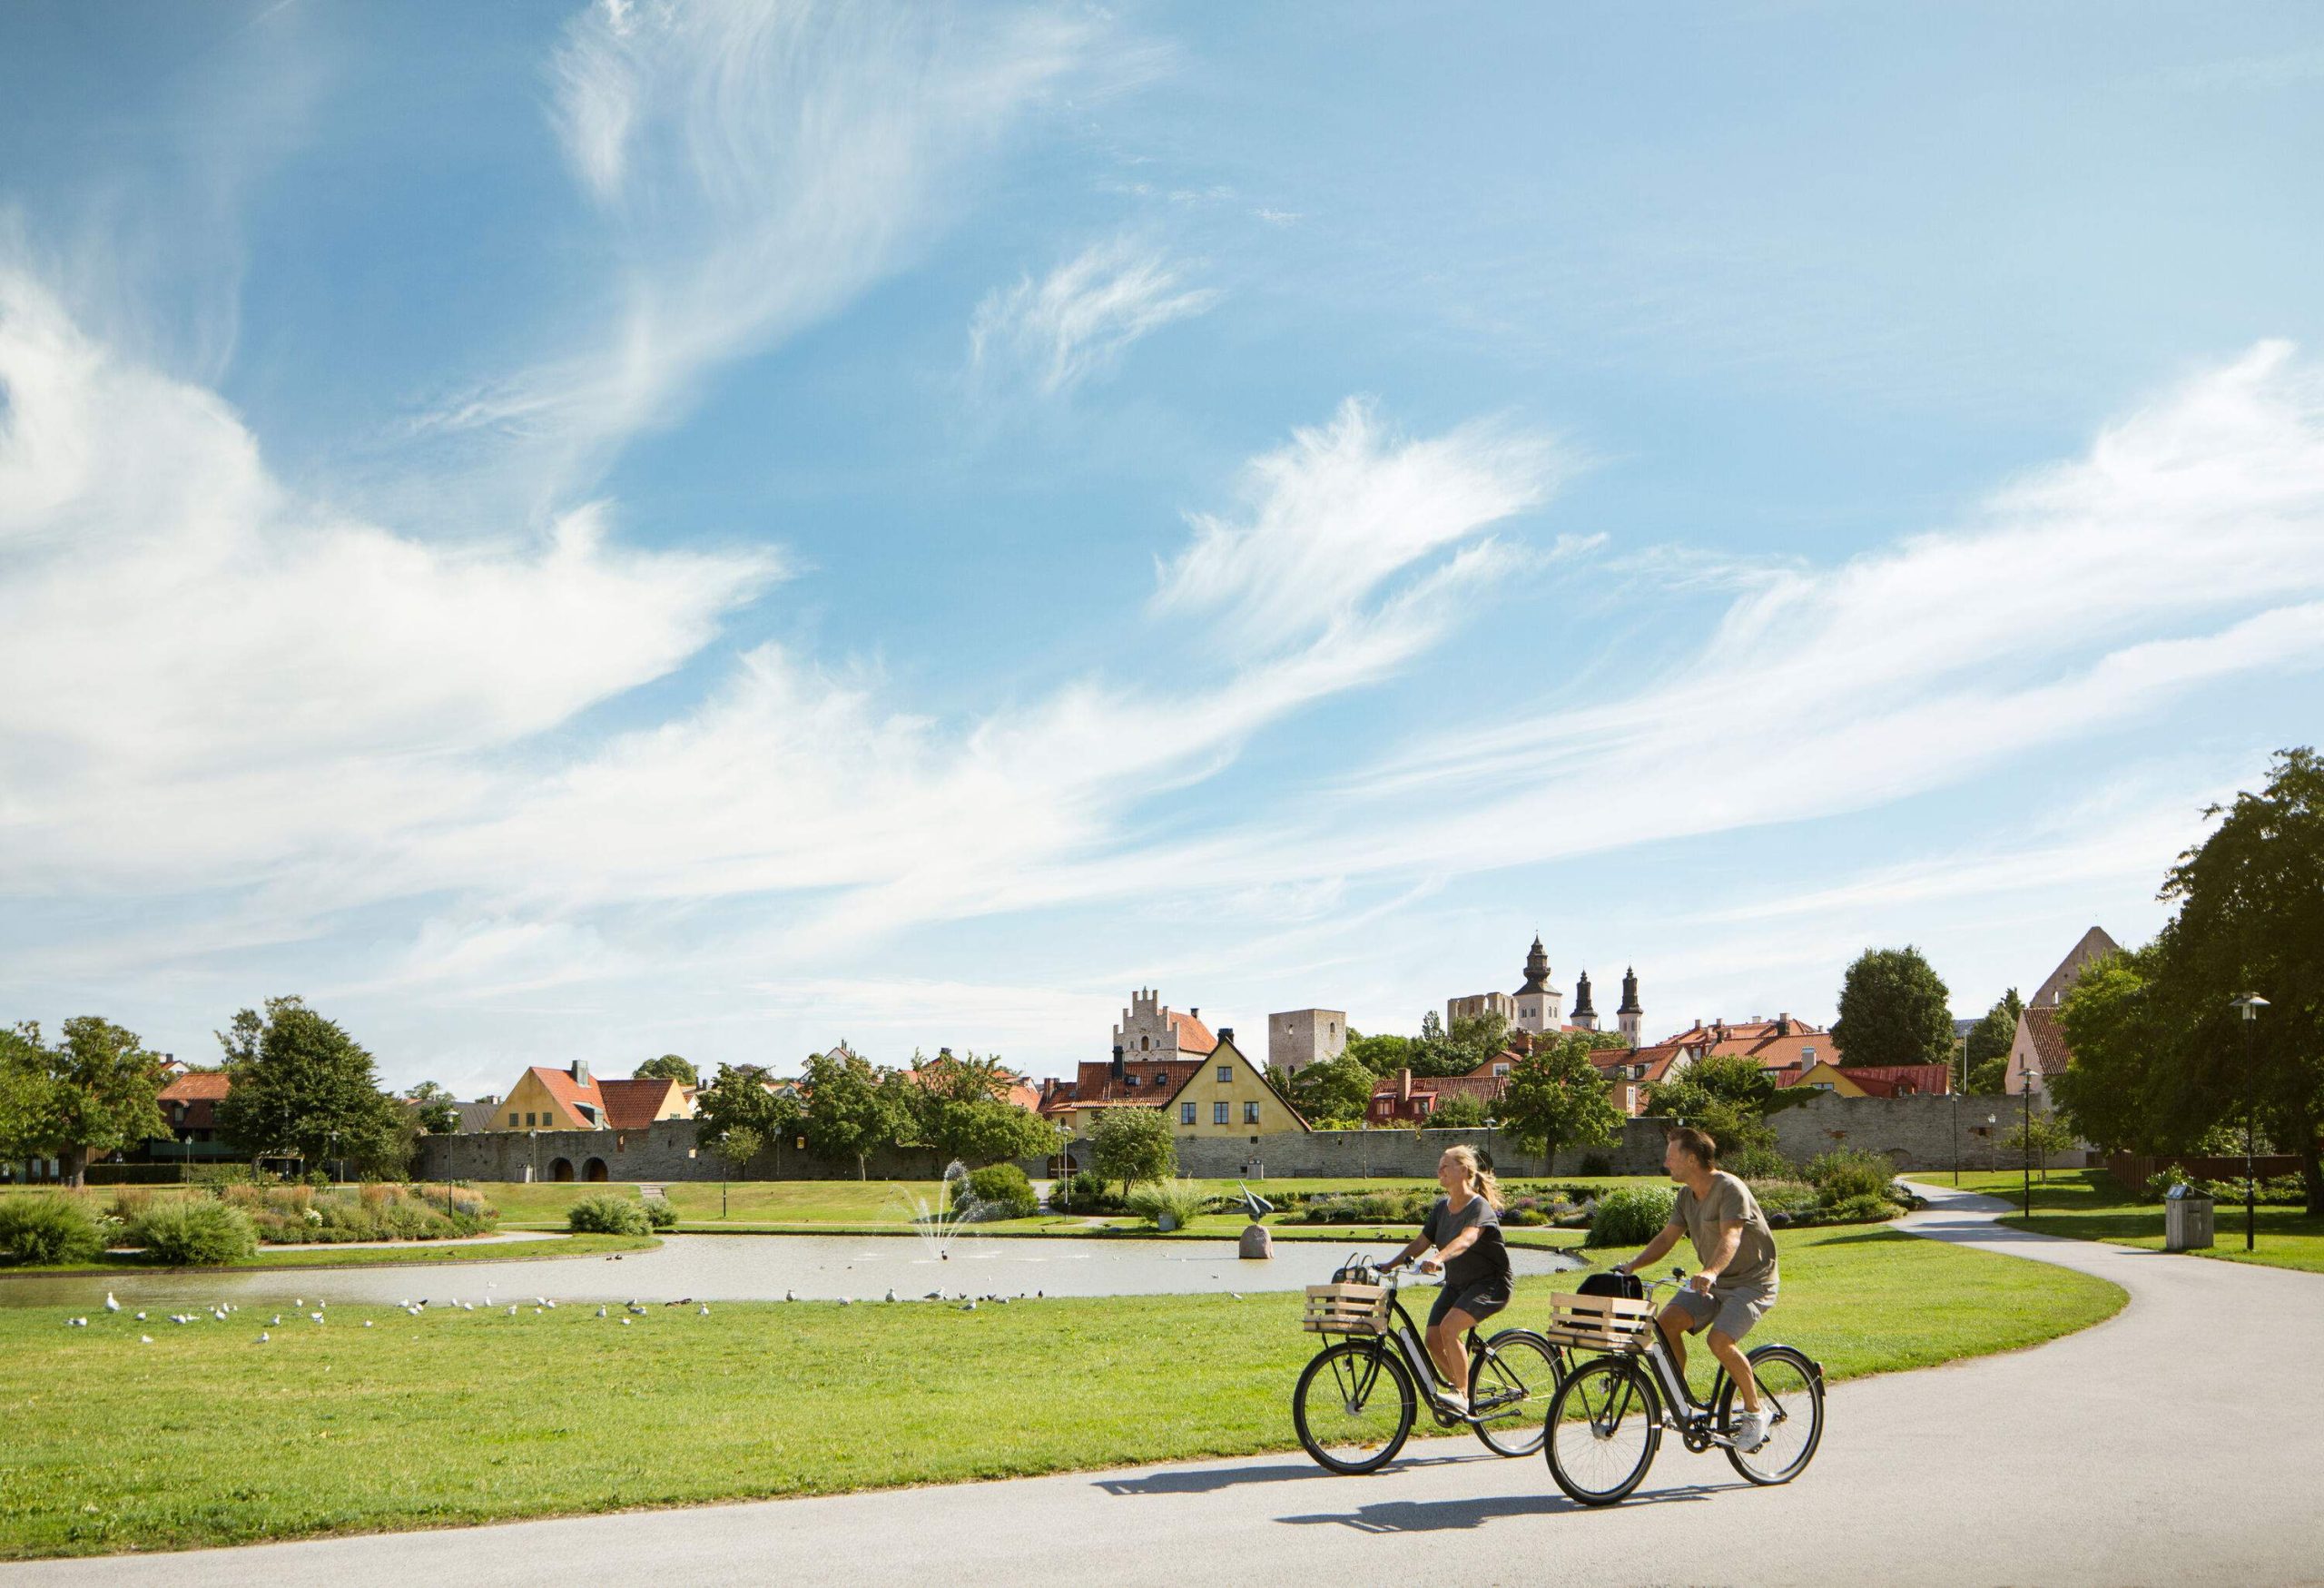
(206, 1437)
(2092, 1205)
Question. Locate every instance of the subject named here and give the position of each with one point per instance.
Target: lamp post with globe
(2249, 1004)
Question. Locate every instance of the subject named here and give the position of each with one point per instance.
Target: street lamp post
(2251, 1004)
(1956, 1140)
(2028, 1094)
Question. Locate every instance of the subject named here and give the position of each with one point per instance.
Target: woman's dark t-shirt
(1486, 1258)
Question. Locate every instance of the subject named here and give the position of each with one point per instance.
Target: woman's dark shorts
(1479, 1299)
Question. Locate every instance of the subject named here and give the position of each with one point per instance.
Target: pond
(758, 1267)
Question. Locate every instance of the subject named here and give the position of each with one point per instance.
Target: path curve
(2153, 1448)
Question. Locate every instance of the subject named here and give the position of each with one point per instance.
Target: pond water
(757, 1267)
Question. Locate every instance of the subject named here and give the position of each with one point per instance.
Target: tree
(1329, 1089)
(1556, 1097)
(1894, 1010)
(738, 1101)
(669, 1066)
(95, 1092)
(1458, 1112)
(737, 1145)
(1473, 1040)
(302, 1088)
(2250, 919)
(1381, 1055)
(437, 1110)
(2037, 1138)
(1987, 1051)
(850, 1112)
(1725, 1095)
(1132, 1145)
(2125, 1089)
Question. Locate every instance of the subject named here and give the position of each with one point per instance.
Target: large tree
(2126, 1087)
(1986, 1051)
(1724, 1094)
(1556, 1097)
(1894, 1010)
(1132, 1145)
(2251, 920)
(852, 1108)
(739, 1102)
(1336, 1091)
(960, 1109)
(669, 1066)
(95, 1092)
(302, 1087)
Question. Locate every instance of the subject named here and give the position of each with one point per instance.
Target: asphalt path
(2182, 1442)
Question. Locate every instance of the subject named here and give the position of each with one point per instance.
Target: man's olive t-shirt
(1728, 1201)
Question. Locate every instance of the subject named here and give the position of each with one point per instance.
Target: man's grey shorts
(1732, 1310)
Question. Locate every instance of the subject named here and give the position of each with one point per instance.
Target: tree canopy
(850, 1111)
(93, 1093)
(302, 1088)
(1329, 1092)
(1556, 1097)
(669, 1066)
(738, 1101)
(1132, 1145)
(1894, 1010)
(437, 1110)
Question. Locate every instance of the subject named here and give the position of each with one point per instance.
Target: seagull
(705, 1312)
(413, 1310)
(971, 1306)
(625, 1323)
(148, 1340)
(551, 1306)
(367, 1322)
(276, 1322)
(1237, 1294)
(316, 1315)
(791, 1296)
(141, 1318)
(111, 1305)
(512, 1311)
(537, 1311)
(601, 1312)
(467, 1307)
(540, 1300)
(891, 1292)
(261, 1336)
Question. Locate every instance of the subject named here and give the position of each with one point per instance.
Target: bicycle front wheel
(1512, 1380)
(1791, 1393)
(1604, 1427)
(1354, 1406)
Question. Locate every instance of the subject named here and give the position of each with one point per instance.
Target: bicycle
(1621, 1401)
(1356, 1402)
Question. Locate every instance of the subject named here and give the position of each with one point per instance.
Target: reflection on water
(762, 1268)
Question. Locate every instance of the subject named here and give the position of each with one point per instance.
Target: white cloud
(1077, 321)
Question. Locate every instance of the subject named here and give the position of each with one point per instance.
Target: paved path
(2156, 1448)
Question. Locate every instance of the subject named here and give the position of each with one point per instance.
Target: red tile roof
(190, 1100)
(572, 1095)
(1890, 1080)
(1194, 1037)
(2050, 1050)
(634, 1104)
(1157, 1081)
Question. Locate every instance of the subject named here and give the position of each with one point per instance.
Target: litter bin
(2186, 1220)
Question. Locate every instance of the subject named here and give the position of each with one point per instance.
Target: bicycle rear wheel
(1604, 1427)
(1354, 1406)
(1791, 1392)
(1512, 1378)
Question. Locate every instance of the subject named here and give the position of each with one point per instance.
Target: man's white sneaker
(1751, 1431)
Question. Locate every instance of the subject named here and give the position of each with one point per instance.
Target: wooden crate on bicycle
(1346, 1309)
(1601, 1323)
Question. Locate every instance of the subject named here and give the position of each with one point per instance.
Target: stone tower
(1540, 1006)
(1629, 1016)
(1585, 1015)
(1298, 1038)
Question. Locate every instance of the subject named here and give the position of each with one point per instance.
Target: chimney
(1227, 1033)
(580, 1072)
(1405, 1085)
(1118, 1061)
(1193, 1011)
(1783, 1025)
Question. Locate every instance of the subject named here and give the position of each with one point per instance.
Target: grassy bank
(2092, 1205)
(405, 1254)
(454, 1418)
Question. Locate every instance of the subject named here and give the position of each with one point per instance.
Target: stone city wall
(665, 1150)
(1917, 1133)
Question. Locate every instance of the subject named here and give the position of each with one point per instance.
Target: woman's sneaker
(1751, 1431)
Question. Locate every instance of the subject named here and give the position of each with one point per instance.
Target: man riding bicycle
(1737, 1282)
(1464, 1227)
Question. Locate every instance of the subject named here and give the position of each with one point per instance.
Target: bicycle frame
(1406, 1336)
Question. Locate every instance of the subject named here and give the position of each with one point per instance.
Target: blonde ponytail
(1480, 1177)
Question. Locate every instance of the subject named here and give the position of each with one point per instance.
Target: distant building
(1221, 1093)
(1405, 1098)
(1873, 1081)
(1298, 1038)
(1537, 1008)
(2038, 1048)
(1477, 1004)
(1151, 1030)
(478, 1115)
(190, 1105)
(546, 1098)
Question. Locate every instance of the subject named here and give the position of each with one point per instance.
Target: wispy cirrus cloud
(1077, 321)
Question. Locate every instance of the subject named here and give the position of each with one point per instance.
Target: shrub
(129, 1202)
(1848, 1173)
(199, 1230)
(607, 1214)
(1596, 1165)
(1760, 1161)
(1630, 1216)
(1796, 1198)
(1182, 1199)
(2283, 1191)
(1857, 1209)
(1088, 1194)
(48, 1229)
(1524, 1216)
(1003, 1191)
(660, 1215)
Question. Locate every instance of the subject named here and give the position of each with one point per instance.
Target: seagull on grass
(111, 1305)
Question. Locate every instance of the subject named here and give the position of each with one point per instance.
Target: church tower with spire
(1540, 1006)
(1630, 1016)
(1585, 1014)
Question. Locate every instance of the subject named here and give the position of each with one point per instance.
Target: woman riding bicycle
(1464, 1227)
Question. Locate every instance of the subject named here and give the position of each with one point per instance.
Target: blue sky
(563, 531)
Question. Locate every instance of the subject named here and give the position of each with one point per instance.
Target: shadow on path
(1209, 1480)
(1448, 1515)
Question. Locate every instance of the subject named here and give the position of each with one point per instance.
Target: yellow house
(1227, 1095)
(573, 1099)
(1876, 1081)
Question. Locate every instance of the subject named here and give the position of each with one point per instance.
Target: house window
(1160, 1079)
(1186, 1113)
(1129, 1081)
(512, 1121)
(528, 1119)
(1250, 1113)
(1144, 1043)
(1218, 1113)
(1225, 1073)
(1808, 1055)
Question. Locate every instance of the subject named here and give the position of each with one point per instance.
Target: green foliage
(1630, 1216)
(980, 1129)
(1990, 1038)
(2282, 1191)
(1796, 1200)
(1458, 1112)
(303, 1088)
(1130, 1146)
(852, 1108)
(1857, 1209)
(1894, 1010)
(1757, 1161)
(2037, 1139)
(48, 1229)
(1181, 1200)
(1735, 1079)
(91, 1094)
(1381, 1055)
(194, 1230)
(1329, 1089)
(1004, 1192)
(2125, 1089)
(1849, 1172)
(660, 1216)
(1395, 1207)
(669, 1066)
(736, 1118)
(301, 1214)
(607, 1214)
(1556, 1097)
(1086, 1192)
(437, 1110)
